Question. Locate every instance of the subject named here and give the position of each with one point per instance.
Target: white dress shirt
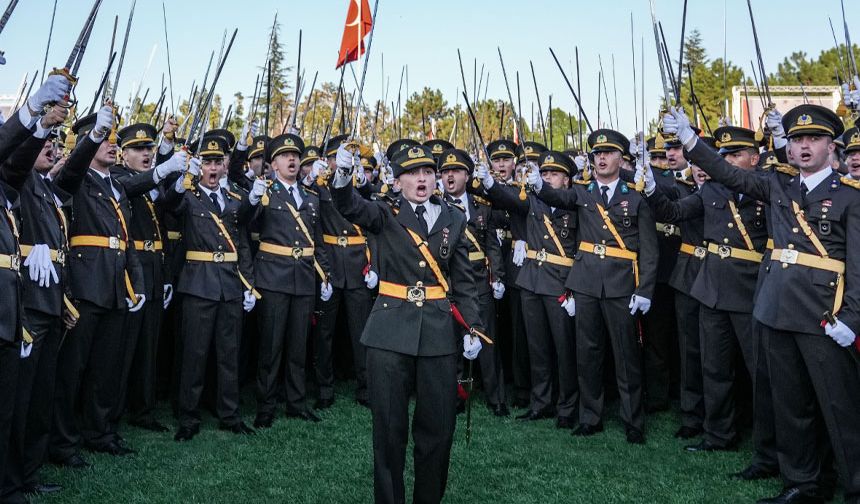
(430, 214)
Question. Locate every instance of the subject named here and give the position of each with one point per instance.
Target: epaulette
(308, 190)
(850, 182)
(234, 195)
(787, 169)
(582, 182)
(687, 182)
(513, 183)
(631, 185)
(481, 201)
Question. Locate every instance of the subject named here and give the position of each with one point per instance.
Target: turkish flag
(359, 22)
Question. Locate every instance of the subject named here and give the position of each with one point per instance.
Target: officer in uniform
(412, 342)
(612, 280)
(485, 255)
(551, 240)
(851, 138)
(808, 302)
(736, 232)
(216, 283)
(290, 257)
(437, 146)
(106, 282)
(141, 331)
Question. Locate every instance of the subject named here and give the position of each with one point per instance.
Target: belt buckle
(149, 246)
(600, 249)
(297, 253)
(113, 242)
(788, 256)
(61, 257)
(541, 255)
(218, 257)
(15, 262)
(668, 229)
(342, 241)
(700, 252)
(724, 251)
(416, 294)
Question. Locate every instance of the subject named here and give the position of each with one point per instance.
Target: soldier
(216, 283)
(736, 232)
(551, 241)
(141, 330)
(852, 152)
(410, 335)
(289, 258)
(485, 255)
(106, 281)
(812, 282)
(26, 385)
(612, 280)
(352, 282)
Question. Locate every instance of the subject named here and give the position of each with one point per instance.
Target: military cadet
(485, 255)
(141, 330)
(852, 152)
(512, 331)
(438, 146)
(26, 393)
(289, 259)
(612, 280)
(410, 335)
(812, 282)
(551, 240)
(216, 283)
(736, 232)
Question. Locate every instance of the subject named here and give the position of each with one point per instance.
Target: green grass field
(331, 462)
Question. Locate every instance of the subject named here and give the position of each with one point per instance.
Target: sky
(424, 36)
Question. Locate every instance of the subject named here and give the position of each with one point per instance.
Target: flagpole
(358, 3)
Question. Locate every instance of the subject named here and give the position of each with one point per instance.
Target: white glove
(498, 289)
(471, 347)
(851, 98)
(648, 176)
(168, 295)
(840, 333)
(773, 123)
(581, 162)
(246, 130)
(54, 89)
(325, 291)
(639, 303)
(26, 348)
(104, 121)
(360, 176)
(132, 307)
(176, 163)
(638, 152)
(371, 279)
(319, 166)
(257, 191)
(41, 268)
(535, 180)
(676, 121)
(194, 166)
(483, 173)
(248, 301)
(569, 306)
(519, 252)
(344, 158)
(381, 160)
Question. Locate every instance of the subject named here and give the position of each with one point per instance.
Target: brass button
(297, 228)
(344, 231)
(546, 237)
(422, 264)
(824, 209)
(725, 240)
(419, 304)
(832, 284)
(731, 225)
(784, 265)
(385, 305)
(791, 246)
(605, 227)
(220, 247)
(794, 230)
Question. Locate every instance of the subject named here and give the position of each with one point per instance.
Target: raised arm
(746, 182)
(370, 215)
(666, 210)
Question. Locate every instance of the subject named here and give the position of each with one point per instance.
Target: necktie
(214, 198)
(604, 190)
(292, 196)
(458, 201)
(803, 191)
(108, 185)
(419, 212)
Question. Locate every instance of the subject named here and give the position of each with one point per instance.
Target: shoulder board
(787, 169)
(582, 182)
(234, 195)
(513, 183)
(481, 201)
(631, 185)
(686, 182)
(850, 182)
(311, 191)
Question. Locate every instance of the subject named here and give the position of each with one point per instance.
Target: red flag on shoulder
(359, 22)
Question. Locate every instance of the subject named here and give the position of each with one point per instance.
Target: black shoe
(150, 425)
(520, 403)
(585, 430)
(186, 433)
(707, 446)
(755, 472)
(238, 428)
(113, 448)
(564, 422)
(322, 404)
(75, 461)
(363, 402)
(263, 421)
(688, 432)
(42, 488)
(793, 496)
(534, 415)
(635, 436)
(307, 415)
(656, 407)
(501, 410)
